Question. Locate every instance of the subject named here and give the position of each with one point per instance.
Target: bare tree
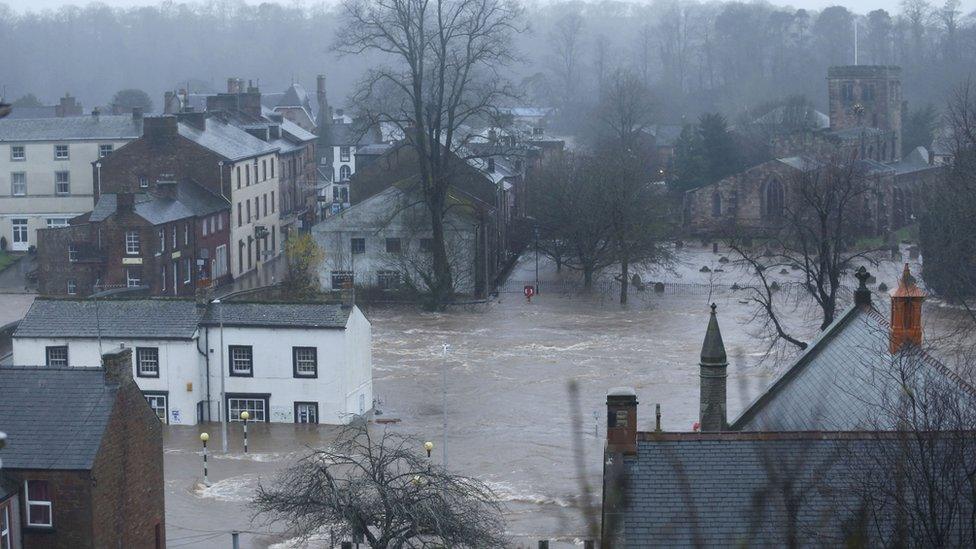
(566, 39)
(442, 75)
(822, 214)
(383, 487)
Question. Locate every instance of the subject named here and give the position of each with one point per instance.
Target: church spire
(712, 368)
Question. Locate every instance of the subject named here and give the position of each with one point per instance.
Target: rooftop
(226, 140)
(191, 200)
(87, 318)
(285, 315)
(71, 128)
(54, 417)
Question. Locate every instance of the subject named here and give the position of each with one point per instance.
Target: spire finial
(714, 306)
(713, 349)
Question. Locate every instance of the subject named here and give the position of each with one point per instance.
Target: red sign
(529, 291)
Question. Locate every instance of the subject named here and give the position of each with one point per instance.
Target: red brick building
(83, 464)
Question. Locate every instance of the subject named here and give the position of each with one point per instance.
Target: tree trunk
(443, 285)
(624, 280)
(587, 278)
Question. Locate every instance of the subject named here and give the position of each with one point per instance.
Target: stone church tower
(867, 97)
(324, 125)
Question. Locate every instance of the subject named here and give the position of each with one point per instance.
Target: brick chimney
(622, 421)
(159, 129)
(125, 202)
(712, 370)
(194, 119)
(136, 114)
(234, 85)
(118, 366)
(906, 312)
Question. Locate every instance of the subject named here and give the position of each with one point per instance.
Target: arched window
(716, 204)
(344, 173)
(898, 203)
(773, 199)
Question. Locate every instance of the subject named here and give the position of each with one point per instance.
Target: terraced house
(46, 174)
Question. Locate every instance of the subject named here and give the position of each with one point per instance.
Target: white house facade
(282, 362)
(46, 169)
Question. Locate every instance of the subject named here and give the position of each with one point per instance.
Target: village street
(510, 414)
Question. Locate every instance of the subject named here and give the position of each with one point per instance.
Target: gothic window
(716, 204)
(773, 199)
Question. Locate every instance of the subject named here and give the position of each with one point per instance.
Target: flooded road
(508, 367)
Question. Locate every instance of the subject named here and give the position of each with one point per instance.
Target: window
(305, 361)
(5, 542)
(205, 233)
(358, 245)
(257, 207)
(272, 201)
(187, 270)
(773, 200)
(344, 154)
(38, 503)
(18, 183)
(72, 286)
(220, 221)
(247, 175)
(213, 223)
(186, 234)
(162, 278)
(255, 405)
(147, 361)
(248, 211)
(133, 277)
(176, 276)
(847, 91)
(868, 92)
(60, 152)
(345, 172)
(272, 169)
(19, 227)
(264, 204)
(388, 280)
(162, 239)
(240, 218)
(393, 246)
(238, 177)
(56, 356)
(158, 402)
(716, 204)
(241, 360)
(72, 253)
(62, 183)
(174, 239)
(143, 182)
(340, 279)
(105, 150)
(426, 245)
(54, 222)
(132, 242)
(335, 194)
(264, 170)
(306, 412)
(17, 153)
(220, 261)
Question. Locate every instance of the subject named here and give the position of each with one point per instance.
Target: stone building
(865, 128)
(170, 241)
(789, 469)
(83, 464)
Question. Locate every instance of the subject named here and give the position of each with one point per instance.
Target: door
(306, 412)
(19, 241)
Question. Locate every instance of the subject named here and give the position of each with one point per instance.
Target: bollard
(543, 544)
(347, 545)
(244, 417)
(204, 437)
(589, 544)
(235, 539)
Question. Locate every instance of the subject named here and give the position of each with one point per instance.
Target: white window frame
(154, 400)
(22, 184)
(39, 503)
(205, 226)
(47, 356)
(5, 542)
(132, 243)
(54, 222)
(23, 153)
(143, 182)
(150, 371)
(162, 281)
(57, 152)
(345, 153)
(186, 234)
(311, 412)
(187, 270)
(72, 253)
(175, 239)
(220, 261)
(72, 288)
(161, 233)
(131, 281)
(58, 182)
(110, 148)
(236, 405)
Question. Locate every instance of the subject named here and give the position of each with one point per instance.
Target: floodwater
(509, 419)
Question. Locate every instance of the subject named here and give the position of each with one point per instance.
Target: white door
(19, 241)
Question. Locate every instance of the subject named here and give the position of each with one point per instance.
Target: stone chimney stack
(234, 85)
(118, 366)
(622, 421)
(125, 202)
(136, 114)
(906, 312)
(712, 368)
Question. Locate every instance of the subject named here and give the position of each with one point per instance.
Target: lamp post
(204, 437)
(443, 404)
(428, 446)
(223, 394)
(244, 417)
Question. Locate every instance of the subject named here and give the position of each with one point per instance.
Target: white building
(385, 242)
(46, 174)
(282, 362)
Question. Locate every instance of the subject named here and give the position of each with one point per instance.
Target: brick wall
(128, 499)
(71, 505)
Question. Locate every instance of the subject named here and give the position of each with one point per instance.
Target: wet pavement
(510, 413)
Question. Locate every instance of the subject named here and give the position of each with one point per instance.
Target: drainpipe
(98, 179)
(206, 355)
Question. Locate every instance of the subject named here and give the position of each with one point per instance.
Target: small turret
(906, 312)
(713, 366)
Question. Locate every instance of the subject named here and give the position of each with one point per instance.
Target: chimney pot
(137, 113)
(622, 421)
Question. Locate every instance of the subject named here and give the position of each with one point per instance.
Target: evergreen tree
(718, 147)
(688, 171)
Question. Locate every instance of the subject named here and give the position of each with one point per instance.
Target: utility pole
(223, 394)
(444, 400)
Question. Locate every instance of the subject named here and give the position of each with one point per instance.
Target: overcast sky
(859, 6)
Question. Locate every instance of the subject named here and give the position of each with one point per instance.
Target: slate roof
(720, 489)
(915, 161)
(856, 132)
(842, 379)
(295, 96)
(226, 140)
(47, 111)
(350, 134)
(114, 127)
(191, 200)
(133, 319)
(54, 417)
(283, 315)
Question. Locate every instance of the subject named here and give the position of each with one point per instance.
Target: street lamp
(223, 394)
(204, 437)
(244, 417)
(428, 446)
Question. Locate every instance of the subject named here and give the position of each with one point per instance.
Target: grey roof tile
(293, 315)
(54, 417)
(69, 128)
(226, 140)
(135, 318)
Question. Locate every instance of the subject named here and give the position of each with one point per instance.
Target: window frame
(315, 407)
(67, 152)
(136, 239)
(357, 240)
(345, 153)
(139, 357)
(23, 182)
(5, 528)
(102, 147)
(265, 397)
(143, 182)
(67, 182)
(342, 276)
(159, 394)
(28, 502)
(295, 363)
(49, 362)
(384, 277)
(398, 246)
(23, 153)
(132, 281)
(72, 287)
(231, 359)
